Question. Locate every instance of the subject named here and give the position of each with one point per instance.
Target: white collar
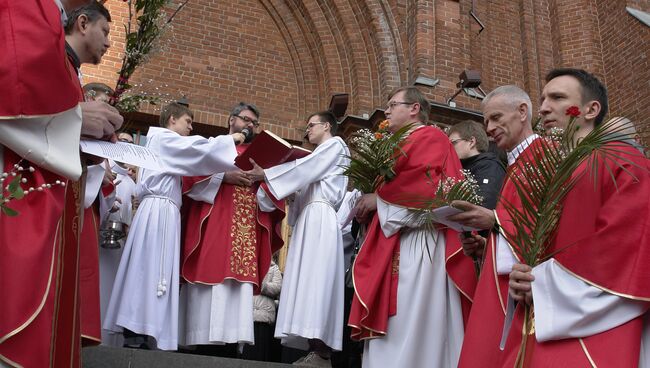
(64, 16)
(515, 152)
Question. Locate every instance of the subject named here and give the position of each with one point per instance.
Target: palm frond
(543, 182)
(372, 157)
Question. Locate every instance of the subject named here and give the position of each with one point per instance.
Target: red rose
(573, 111)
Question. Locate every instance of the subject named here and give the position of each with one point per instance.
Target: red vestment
(91, 329)
(38, 248)
(603, 239)
(33, 60)
(230, 239)
(485, 325)
(88, 257)
(376, 267)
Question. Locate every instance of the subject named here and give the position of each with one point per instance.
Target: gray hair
(514, 94)
(245, 106)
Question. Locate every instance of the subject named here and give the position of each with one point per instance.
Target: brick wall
(290, 56)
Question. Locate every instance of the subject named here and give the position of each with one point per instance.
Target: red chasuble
(230, 239)
(91, 329)
(39, 249)
(33, 61)
(376, 267)
(603, 238)
(485, 325)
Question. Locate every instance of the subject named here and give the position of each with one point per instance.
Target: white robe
(109, 259)
(311, 300)
(345, 215)
(145, 293)
(427, 330)
(215, 314)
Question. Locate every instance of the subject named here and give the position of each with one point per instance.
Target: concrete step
(106, 357)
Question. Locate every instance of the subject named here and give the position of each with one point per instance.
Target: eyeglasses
(248, 120)
(393, 104)
(453, 142)
(311, 125)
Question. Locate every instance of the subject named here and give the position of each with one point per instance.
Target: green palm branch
(372, 161)
(543, 183)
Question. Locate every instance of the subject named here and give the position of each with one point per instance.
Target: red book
(267, 150)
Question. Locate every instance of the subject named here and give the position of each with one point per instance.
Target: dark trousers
(350, 356)
(266, 349)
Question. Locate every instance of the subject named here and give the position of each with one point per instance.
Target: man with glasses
(471, 144)
(228, 243)
(410, 281)
(41, 121)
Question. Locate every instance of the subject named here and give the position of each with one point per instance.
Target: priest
(591, 297)
(409, 306)
(144, 299)
(228, 242)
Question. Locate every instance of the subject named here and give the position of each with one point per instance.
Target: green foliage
(151, 22)
(373, 157)
(132, 102)
(13, 192)
(447, 190)
(543, 183)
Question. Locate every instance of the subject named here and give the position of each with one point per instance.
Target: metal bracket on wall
(475, 17)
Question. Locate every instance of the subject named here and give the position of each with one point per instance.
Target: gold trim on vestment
(200, 181)
(47, 291)
(451, 279)
(365, 307)
(99, 340)
(196, 245)
(522, 349)
(10, 362)
(584, 348)
(74, 338)
(78, 187)
(270, 195)
(494, 261)
(21, 116)
(627, 296)
(207, 283)
(505, 236)
(243, 233)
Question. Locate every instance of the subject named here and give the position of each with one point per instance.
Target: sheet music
(123, 152)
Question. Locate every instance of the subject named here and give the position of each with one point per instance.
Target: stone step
(107, 357)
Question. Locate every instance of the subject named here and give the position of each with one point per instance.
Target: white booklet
(442, 214)
(127, 153)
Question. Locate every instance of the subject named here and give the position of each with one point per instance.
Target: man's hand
(256, 174)
(366, 205)
(473, 245)
(116, 205)
(100, 120)
(135, 203)
(473, 216)
(237, 177)
(520, 288)
(109, 178)
(238, 137)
